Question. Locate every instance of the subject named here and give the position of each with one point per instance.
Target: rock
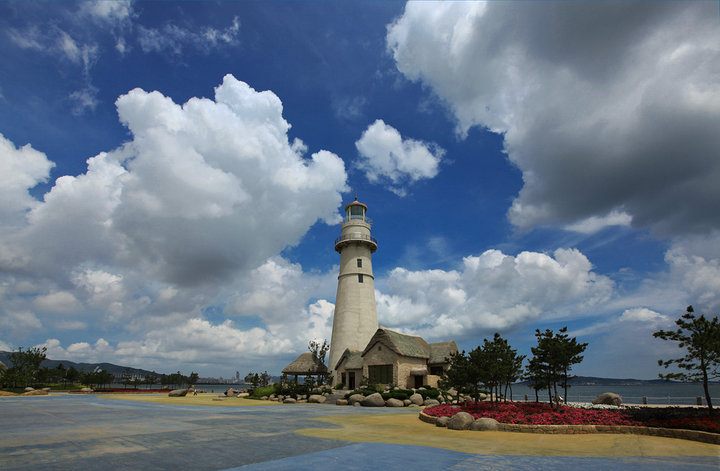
(373, 400)
(178, 393)
(341, 402)
(357, 404)
(36, 392)
(28, 389)
(452, 391)
(355, 398)
(289, 400)
(243, 395)
(231, 392)
(460, 421)
(416, 399)
(86, 390)
(7, 393)
(264, 398)
(316, 399)
(430, 402)
(407, 402)
(442, 421)
(272, 396)
(392, 402)
(46, 389)
(484, 423)
(608, 398)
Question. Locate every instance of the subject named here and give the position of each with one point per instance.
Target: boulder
(28, 389)
(373, 400)
(392, 402)
(355, 398)
(178, 393)
(36, 392)
(442, 421)
(460, 421)
(86, 390)
(416, 399)
(231, 392)
(484, 423)
(430, 402)
(264, 398)
(316, 399)
(608, 398)
(289, 400)
(357, 404)
(482, 397)
(46, 389)
(407, 402)
(452, 391)
(341, 402)
(243, 394)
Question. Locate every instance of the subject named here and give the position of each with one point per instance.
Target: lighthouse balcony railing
(355, 237)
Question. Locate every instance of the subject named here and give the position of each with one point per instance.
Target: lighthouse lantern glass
(356, 212)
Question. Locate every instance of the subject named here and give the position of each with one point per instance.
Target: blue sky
(172, 174)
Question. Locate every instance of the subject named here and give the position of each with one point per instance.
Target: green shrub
(339, 386)
(264, 391)
(431, 393)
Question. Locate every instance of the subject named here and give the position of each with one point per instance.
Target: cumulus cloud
(604, 107)
(21, 169)
(493, 291)
(191, 212)
(175, 39)
(386, 157)
(109, 11)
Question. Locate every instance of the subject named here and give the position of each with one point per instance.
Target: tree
(552, 360)
(151, 378)
(265, 379)
(460, 373)
(252, 378)
(700, 338)
(126, 378)
(193, 378)
(26, 366)
(318, 352)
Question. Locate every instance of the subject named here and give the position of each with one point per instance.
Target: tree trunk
(705, 385)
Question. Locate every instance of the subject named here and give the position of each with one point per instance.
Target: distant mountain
(593, 381)
(116, 370)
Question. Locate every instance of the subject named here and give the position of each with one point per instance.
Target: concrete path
(158, 433)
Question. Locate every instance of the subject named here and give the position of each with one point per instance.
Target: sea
(655, 393)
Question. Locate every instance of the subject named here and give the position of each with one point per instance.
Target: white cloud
(20, 170)
(190, 214)
(387, 157)
(596, 223)
(605, 107)
(109, 10)
(493, 291)
(175, 39)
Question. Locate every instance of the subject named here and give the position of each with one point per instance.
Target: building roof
(352, 359)
(355, 203)
(303, 365)
(402, 344)
(440, 351)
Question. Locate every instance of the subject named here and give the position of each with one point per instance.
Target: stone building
(390, 357)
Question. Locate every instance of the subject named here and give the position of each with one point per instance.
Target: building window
(360, 278)
(436, 370)
(382, 374)
(359, 262)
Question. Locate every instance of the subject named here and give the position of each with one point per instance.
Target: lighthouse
(355, 319)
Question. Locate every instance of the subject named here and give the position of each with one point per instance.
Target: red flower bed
(542, 414)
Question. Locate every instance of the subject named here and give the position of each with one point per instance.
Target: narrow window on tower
(359, 262)
(360, 278)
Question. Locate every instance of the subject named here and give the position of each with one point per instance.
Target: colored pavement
(156, 432)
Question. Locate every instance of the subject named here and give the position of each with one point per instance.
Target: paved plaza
(69, 432)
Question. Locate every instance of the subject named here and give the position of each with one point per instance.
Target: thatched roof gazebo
(305, 365)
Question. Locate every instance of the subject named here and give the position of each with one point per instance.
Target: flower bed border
(695, 435)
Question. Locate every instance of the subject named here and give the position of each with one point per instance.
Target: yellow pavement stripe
(407, 429)
(199, 400)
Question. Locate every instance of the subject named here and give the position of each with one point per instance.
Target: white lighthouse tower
(355, 320)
